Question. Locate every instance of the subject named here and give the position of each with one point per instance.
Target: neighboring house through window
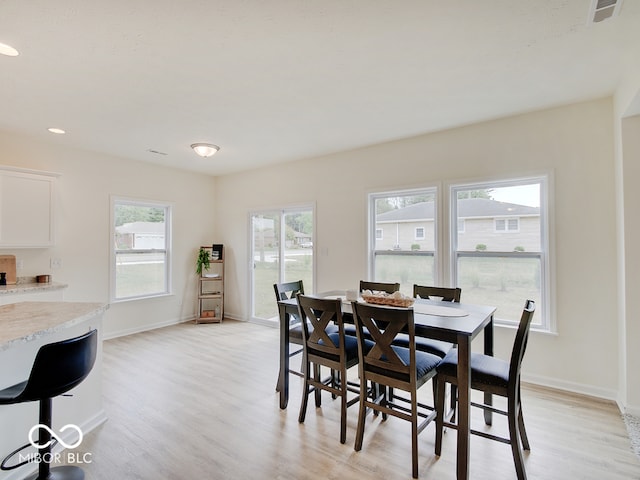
(141, 233)
(491, 268)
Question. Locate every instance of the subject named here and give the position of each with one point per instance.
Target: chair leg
(523, 431)
(514, 436)
(414, 434)
(362, 414)
(343, 405)
(305, 394)
(440, 386)
(453, 402)
(316, 373)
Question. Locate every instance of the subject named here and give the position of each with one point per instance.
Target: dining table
(457, 323)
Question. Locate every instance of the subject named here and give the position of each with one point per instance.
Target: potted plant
(204, 261)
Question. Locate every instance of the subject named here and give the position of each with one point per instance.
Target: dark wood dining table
(460, 328)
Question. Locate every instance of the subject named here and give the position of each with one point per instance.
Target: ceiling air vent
(603, 9)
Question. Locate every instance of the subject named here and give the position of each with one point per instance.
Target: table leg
(464, 404)
(488, 350)
(283, 374)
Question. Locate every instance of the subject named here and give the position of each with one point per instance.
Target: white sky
(521, 195)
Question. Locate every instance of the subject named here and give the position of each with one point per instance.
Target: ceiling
(279, 80)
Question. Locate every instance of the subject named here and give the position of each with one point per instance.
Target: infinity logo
(55, 437)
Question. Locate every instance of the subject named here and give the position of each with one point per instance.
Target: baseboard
(572, 387)
(630, 409)
(145, 328)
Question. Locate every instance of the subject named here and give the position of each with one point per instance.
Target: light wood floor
(198, 402)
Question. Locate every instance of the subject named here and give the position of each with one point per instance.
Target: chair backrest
(520, 342)
(379, 286)
(287, 290)
(60, 366)
(447, 294)
(383, 324)
(320, 314)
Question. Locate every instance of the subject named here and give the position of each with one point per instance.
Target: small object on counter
(3, 278)
(43, 278)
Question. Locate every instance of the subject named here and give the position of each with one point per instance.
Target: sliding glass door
(282, 250)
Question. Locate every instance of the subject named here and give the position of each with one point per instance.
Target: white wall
(575, 143)
(631, 177)
(83, 231)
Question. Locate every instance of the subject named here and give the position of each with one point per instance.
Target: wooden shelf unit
(211, 291)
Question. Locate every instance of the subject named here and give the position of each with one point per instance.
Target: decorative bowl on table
(395, 299)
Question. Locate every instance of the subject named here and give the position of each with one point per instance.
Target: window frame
(167, 251)
(545, 311)
(420, 237)
(446, 223)
(372, 196)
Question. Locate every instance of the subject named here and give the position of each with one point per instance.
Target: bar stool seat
(57, 368)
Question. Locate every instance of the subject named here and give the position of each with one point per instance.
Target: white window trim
(371, 227)
(168, 206)
(546, 180)
(424, 233)
(381, 234)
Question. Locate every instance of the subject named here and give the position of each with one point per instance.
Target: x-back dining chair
(428, 345)
(379, 286)
(431, 345)
(498, 377)
(286, 291)
(323, 346)
(393, 367)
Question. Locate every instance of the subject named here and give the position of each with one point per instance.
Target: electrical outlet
(56, 263)
(19, 264)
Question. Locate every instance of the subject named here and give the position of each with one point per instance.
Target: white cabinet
(26, 208)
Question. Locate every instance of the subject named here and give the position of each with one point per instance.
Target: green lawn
(503, 282)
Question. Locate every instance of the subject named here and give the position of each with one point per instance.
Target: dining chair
(431, 345)
(323, 346)
(392, 366)
(446, 294)
(285, 291)
(379, 286)
(495, 376)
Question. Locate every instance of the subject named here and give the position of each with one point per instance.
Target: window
(497, 269)
(141, 233)
(507, 225)
(497, 252)
(397, 220)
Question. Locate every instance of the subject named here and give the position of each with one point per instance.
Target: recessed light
(8, 50)
(58, 131)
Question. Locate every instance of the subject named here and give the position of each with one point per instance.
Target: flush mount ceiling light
(8, 50)
(59, 131)
(205, 149)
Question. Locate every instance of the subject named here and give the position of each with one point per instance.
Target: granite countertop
(30, 287)
(26, 321)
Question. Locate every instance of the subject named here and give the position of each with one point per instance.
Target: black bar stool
(58, 368)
